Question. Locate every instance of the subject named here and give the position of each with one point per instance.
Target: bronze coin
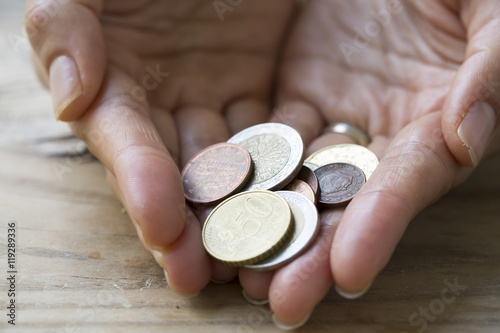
(216, 172)
(339, 182)
(307, 175)
(301, 187)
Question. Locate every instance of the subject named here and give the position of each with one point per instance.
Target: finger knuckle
(417, 164)
(38, 17)
(417, 157)
(393, 198)
(407, 158)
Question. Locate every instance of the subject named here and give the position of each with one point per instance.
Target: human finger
(416, 170)
(199, 128)
(300, 115)
(255, 285)
(299, 286)
(245, 113)
(67, 38)
(167, 129)
(471, 112)
(118, 130)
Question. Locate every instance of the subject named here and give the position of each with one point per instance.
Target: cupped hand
(147, 84)
(422, 79)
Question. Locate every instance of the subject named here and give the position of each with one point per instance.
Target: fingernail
(159, 258)
(157, 255)
(352, 294)
(65, 84)
(254, 301)
(166, 276)
(476, 129)
(289, 327)
(157, 249)
(177, 291)
(214, 280)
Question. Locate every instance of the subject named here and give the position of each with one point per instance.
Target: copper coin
(216, 172)
(339, 182)
(301, 187)
(308, 175)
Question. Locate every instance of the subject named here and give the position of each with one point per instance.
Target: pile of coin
(250, 225)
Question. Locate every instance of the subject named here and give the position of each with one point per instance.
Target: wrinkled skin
(408, 84)
(205, 79)
(402, 86)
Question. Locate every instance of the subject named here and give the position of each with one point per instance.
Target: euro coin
(247, 227)
(277, 152)
(356, 155)
(216, 172)
(338, 183)
(305, 216)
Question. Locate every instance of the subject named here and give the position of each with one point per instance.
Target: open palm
(158, 81)
(397, 72)
(147, 84)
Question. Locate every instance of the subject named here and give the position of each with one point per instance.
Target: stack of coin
(250, 225)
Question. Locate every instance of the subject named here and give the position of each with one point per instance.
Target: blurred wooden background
(81, 267)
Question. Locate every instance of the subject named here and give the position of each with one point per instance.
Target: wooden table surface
(81, 268)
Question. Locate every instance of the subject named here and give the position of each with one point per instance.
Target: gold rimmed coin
(216, 172)
(356, 155)
(306, 228)
(247, 227)
(338, 183)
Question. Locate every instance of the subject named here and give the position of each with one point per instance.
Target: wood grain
(82, 268)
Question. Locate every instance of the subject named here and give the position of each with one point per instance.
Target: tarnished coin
(306, 229)
(339, 182)
(307, 174)
(357, 155)
(301, 187)
(277, 152)
(247, 227)
(216, 172)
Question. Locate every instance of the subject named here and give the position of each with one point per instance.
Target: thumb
(470, 117)
(69, 46)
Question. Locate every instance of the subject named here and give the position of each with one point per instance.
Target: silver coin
(357, 155)
(277, 152)
(306, 224)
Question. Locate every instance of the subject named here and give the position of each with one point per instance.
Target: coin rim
(276, 260)
(269, 252)
(239, 185)
(306, 184)
(285, 175)
(360, 150)
(305, 179)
